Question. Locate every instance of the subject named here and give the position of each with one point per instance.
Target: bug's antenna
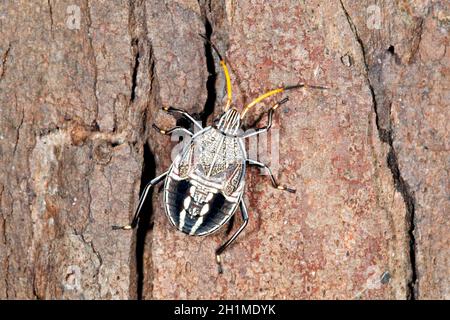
(275, 91)
(225, 71)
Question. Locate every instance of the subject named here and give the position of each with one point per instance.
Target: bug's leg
(225, 71)
(227, 243)
(135, 220)
(269, 120)
(272, 178)
(170, 131)
(184, 113)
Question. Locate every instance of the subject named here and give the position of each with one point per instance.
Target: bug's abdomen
(205, 183)
(194, 209)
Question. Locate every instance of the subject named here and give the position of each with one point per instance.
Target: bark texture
(82, 81)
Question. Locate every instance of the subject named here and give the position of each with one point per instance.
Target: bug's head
(230, 121)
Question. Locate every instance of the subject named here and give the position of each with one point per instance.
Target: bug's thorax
(230, 122)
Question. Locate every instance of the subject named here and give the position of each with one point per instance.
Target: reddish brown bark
(82, 81)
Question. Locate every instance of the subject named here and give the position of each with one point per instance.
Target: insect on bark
(204, 186)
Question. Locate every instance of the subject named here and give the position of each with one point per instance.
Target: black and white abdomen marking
(205, 183)
(193, 212)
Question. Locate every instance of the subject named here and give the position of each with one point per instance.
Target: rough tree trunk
(81, 82)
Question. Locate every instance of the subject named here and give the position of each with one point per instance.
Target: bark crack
(4, 60)
(143, 55)
(50, 10)
(97, 254)
(6, 260)
(18, 127)
(145, 221)
(134, 48)
(94, 57)
(135, 44)
(5, 241)
(99, 257)
(211, 97)
(386, 136)
(35, 289)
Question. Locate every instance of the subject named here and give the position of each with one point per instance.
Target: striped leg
(227, 243)
(135, 220)
(272, 178)
(184, 113)
(269, 121)
(170, 131)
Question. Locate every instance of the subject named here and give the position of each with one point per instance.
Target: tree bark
(81, 82)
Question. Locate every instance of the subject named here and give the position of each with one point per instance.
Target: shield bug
(204, 186)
